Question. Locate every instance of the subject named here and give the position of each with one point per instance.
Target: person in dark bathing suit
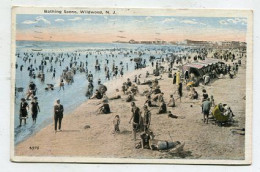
(34, 109)
(23, 111)
(147, 118)
(180, 91)
(136, 116)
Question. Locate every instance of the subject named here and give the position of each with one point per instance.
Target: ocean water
(73, 95)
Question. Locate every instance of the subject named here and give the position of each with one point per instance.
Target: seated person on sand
(147, 74)
(170, 115)
(130, 97)
(162, 108)
(157, 90)
(148, 82)
(155, 83)
(105, 98)
(156, 72)
(124, 87)
(104, 108)
(134, 89)
(116, 96)
(145, 140)
(128, 83)
(231, 74)
(97, 95)
(193, 94)
(206, 79)
(228, 112)
(146, 92)
(149, 103)
(171, 102)
(158, 97)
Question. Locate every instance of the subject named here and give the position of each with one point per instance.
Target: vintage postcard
(131, 85)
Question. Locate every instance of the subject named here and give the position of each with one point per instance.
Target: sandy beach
(202, 141)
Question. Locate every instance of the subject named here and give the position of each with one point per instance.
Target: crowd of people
(154, 96)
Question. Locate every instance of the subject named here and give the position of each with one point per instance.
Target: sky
(102, 28)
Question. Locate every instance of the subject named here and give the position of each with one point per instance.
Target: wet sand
(202, 141)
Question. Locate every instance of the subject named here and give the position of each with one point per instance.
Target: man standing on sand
(136, 116)
(58, 114)
(147, 118)
(205, 109)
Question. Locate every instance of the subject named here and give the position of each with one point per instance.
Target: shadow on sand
(125, 132)
(70, 131)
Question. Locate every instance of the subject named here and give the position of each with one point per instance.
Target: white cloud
(29, 22)
(41, 18)
(233, 21)
(59, 20)
(168, 20)
(37, 20)
(75, 19)
(88, 19)
(193, 21)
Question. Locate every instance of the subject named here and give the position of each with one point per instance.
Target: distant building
(193, 43)
(173, 42)
(233, 44)
(132, 41)
(146, 42)
(242, 44)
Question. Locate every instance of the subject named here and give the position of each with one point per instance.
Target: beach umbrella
(102, 88)
(137, 60)
(218, 115)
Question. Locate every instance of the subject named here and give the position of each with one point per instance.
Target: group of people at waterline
(130, 89)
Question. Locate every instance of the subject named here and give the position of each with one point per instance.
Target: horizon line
(117, 41)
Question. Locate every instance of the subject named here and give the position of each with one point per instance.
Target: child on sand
(116, 123)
